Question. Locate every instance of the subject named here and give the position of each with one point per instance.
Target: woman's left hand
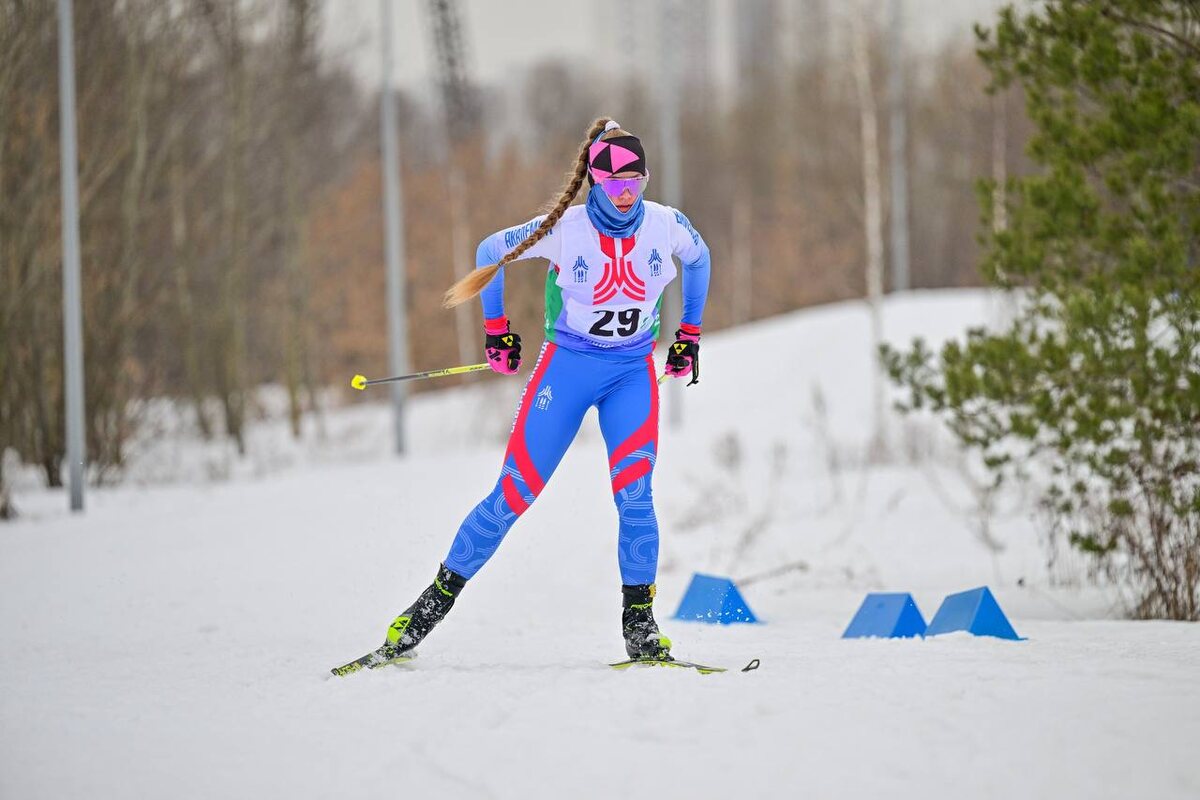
(683, 357)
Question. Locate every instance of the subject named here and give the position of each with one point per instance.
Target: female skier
(610, 260)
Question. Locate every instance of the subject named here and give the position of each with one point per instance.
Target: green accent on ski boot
(397, 629)
(438, 583)
(643, 639)
(662, 650)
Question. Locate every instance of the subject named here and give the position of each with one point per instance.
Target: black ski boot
(642, 637)
(408, 629)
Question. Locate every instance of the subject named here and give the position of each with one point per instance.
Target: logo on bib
(655, 263)
(618, 273)
(580, 269)
(543, 399)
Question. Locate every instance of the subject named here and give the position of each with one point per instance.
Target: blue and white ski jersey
(604, 294)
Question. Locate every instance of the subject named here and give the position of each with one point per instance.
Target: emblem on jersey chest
(655, 264)
(580, 270)
(619, 276)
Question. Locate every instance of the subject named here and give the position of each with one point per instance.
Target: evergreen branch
(1149, 26)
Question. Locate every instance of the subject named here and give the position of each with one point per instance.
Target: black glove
(683, 357)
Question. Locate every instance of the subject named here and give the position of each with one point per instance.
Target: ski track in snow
(176, 640)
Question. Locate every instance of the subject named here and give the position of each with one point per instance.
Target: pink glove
(502, 347)
(683, 357)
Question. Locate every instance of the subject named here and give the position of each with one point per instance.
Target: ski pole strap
(360, 382)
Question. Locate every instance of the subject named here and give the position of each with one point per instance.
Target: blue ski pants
(564, 385)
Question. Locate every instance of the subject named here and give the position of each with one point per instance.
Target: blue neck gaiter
(608, 220)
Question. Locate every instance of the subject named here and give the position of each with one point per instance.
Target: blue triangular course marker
(890, 615)
(975, 611)
(712, 599)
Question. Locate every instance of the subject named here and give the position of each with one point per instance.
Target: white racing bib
(611, 323)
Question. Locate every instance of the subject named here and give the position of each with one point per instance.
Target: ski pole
(360, 382)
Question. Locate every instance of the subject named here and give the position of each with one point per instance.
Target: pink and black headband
(619, 154)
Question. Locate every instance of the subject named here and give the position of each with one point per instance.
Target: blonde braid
(478, 279)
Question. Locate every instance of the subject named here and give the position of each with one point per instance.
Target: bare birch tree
(224, 18)
(872, 202)
(299, 66)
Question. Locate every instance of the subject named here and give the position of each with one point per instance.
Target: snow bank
(176, 639)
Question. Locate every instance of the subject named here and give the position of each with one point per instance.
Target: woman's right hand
(503, 352)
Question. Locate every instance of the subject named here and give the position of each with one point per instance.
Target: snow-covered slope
(175, 640)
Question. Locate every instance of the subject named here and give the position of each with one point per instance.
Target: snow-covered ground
(176, 640)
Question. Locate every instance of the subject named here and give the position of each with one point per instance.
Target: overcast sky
(508, 36)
